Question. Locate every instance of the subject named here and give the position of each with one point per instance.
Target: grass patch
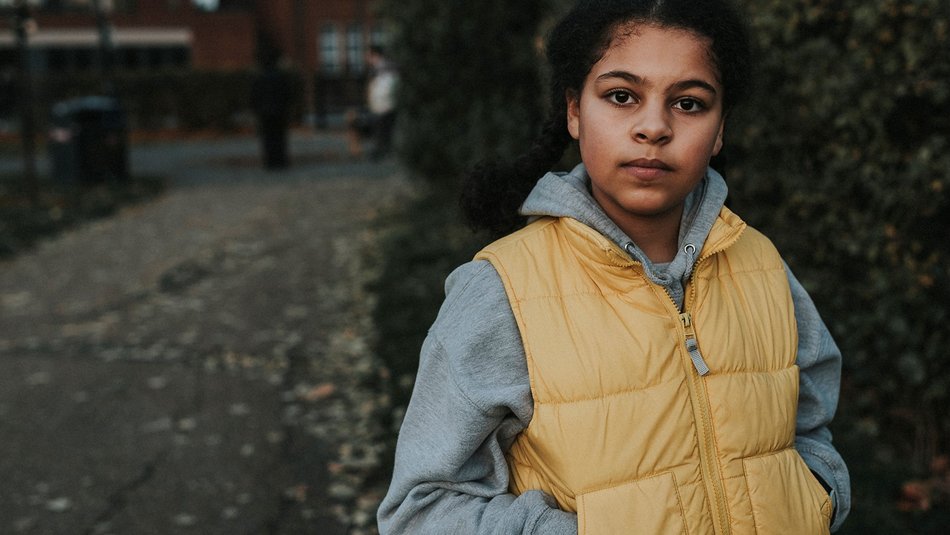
(61, 206)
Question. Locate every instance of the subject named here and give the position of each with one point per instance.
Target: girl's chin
(646, 210)
(648, 205)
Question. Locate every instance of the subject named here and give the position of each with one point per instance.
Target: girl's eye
(689, 105)
(620, 97)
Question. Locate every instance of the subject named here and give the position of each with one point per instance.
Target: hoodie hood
(568, 195)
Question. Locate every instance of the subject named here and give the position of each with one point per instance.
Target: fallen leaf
(320, 392)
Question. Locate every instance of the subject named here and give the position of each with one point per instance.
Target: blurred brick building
(326, 40)
(320, 35)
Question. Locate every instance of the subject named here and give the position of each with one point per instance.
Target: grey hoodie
(472, 395)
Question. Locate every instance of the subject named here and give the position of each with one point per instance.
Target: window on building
(378, 36)
(224, 5)
(206, 5)
(126, 6)
(118, 6)
(330, 53)
(355, 49)
(48, 5)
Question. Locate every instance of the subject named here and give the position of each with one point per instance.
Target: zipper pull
(692, 346)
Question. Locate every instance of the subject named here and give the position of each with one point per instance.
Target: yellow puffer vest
(629, 429)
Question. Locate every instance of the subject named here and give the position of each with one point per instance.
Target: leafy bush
(469, 80)
(842, 159)
(469, 88)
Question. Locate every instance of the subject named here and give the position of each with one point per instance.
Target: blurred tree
(469, 80)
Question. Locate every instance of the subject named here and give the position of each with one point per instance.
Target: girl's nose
(652, 126)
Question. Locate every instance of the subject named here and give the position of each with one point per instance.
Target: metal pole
(25, 101)
(301, 53)
(105, 48)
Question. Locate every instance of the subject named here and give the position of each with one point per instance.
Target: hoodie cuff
(552, 520)
(825, 476)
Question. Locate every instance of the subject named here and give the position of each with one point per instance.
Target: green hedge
(841, 157)
(190, 100)
(469, 80)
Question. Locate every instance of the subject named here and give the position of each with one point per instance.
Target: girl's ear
(573, 113)
(718, 146)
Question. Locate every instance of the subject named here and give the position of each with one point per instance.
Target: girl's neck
(656, 236)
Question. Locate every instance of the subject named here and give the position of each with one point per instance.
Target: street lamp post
(105, 47)
(21, 23)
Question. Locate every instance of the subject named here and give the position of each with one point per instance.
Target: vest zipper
(691, 346)
(708, 454)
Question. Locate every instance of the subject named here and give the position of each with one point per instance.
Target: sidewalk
(200, 364)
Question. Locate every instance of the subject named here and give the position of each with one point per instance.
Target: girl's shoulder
(517, 238)
(479, 337)
(473, 288)
(470, 277)
(476, 307)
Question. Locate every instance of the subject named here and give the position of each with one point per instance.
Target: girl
(636, 359)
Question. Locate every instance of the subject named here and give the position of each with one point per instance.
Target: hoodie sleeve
(471, 398)
(819, 362)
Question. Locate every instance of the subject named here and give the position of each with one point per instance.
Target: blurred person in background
(381, 101)
(8, 98)
(271, 98)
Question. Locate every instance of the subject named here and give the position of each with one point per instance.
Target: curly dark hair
(494, 190)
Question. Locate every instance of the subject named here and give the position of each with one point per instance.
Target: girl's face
(648, 119)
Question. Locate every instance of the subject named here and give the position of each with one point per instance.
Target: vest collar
(725, 232)
(596, 247)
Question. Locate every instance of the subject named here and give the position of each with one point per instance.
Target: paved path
(199, 364)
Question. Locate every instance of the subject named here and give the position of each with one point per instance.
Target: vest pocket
(651, 505)
(786, 497)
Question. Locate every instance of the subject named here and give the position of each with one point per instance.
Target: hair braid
(494, 190)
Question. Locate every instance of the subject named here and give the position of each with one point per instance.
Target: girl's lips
(646, 168)
(650, 163)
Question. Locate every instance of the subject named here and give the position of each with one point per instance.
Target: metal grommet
(690, 249)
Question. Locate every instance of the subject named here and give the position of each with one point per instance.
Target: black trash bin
(88, 141)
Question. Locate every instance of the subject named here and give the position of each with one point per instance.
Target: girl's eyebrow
(678, 86)
(694, 84)
(624, 75)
